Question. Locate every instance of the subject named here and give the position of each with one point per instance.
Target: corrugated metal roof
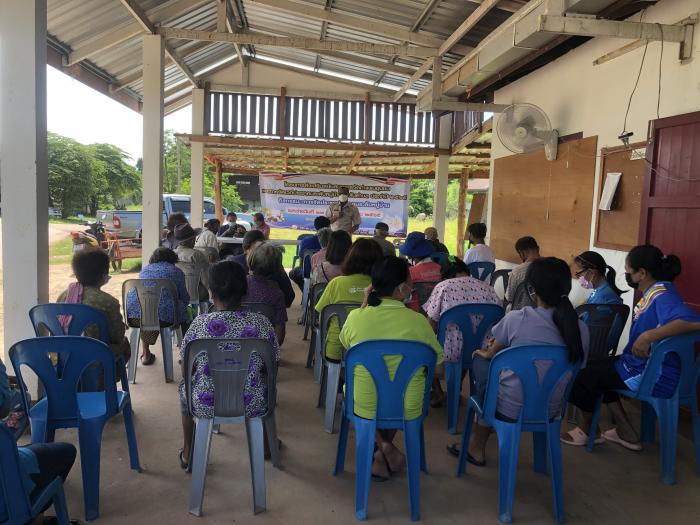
(107, 28)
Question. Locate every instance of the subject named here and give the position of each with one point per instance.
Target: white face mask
(343, 198)
(231, 223)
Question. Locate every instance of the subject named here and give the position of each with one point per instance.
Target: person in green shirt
(385, 316)
(348, 288)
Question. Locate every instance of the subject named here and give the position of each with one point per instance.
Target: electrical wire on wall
(624, 134)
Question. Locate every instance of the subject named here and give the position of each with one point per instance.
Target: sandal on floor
(612, 436)
(578, 438)
(149, 361)
(183, 463)
(454, 451)
(438, 402)
(268, 452)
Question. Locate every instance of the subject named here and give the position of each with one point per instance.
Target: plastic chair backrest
(536, 391)
(316, 293)
(14, 501)
(265, 309)
(301, 238)
(391, 392)
(193, 276)
(601, 319)
(149, 292)
(521, 297)
(305, 257)
(61, 384)
(481, 270)
(503, 275)
(684, 347)
(339, 311)
(439, 257)
(228, 361)
(464, 316)
(81, 317)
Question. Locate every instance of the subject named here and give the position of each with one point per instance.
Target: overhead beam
(225, 22)
(131, 30)
(451, 104)
(305, 144)
(354, 21)
(297, 42)
(142, 18)
(422, 70)
(306, 93)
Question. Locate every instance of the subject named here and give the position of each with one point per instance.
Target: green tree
(120, 180)
(421, 197)
(71, 181)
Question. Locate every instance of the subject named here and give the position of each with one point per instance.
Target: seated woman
(168, 238)
(324, 236)
(331, 267)
(91, 270)
(228, 288)
(206, 240)
(423, 269)
(552, 322)
(191, 260)
(40, 463)
(593, 273)
(659, 314)
(280, 277)
(391, 286)
(264, 261)
(348, 288)
(160, 266)
(456, 289)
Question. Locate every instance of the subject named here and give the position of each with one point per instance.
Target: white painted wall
(579, 96)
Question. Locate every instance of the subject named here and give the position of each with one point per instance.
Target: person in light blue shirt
(593, 273)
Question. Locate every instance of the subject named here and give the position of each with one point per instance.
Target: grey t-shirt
(388, 249)
(516, 277)
(530, 326)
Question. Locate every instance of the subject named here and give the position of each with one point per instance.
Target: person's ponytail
(610, 277)
(373, 299)
(566, 320)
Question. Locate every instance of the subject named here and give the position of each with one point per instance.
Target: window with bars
(318, 119)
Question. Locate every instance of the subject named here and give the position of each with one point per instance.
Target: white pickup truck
(127, 224)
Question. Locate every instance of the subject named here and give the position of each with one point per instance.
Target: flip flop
(612, 436)
(183, 463)
(148, 362)
(578, 438)
(454, 451)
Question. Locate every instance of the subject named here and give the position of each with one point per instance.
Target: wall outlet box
(638, 154)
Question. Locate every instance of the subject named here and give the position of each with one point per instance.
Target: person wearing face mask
(593, 273)
(343, 214)
(390, 286)
(261, 225)
(91, 270)
(231, 219)
(660, 313)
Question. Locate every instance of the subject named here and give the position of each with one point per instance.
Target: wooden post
(368, 115)
(217, 192)
(283, 112)
(462, 213)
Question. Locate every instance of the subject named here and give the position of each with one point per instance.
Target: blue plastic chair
(481, 270)
(534, 417)
(439, 257)
(666, 409)
(390, 413)
(64, 407)
(472, 338)
(82, 316)
(296, 255)
(15, 506)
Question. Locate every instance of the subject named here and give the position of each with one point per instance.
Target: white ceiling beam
(422, 70)
(158, 15)
(360, 22)
(142, 18)
(297, 42)
(225, 22)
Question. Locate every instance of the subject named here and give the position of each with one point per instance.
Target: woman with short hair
(264, 260)
(228, 287)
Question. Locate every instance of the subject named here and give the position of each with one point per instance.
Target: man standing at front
(342, 214)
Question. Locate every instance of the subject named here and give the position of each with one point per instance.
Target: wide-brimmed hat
(184, 232)
(416, 246)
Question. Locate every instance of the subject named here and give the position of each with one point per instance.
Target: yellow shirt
(342, 289)
(390, 320)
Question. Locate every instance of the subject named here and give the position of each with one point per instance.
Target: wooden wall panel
(618, 228)
(552, 201)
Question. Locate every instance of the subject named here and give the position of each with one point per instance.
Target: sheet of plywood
(618, 228)
(551, 201)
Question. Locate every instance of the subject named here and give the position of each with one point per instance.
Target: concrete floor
(611, 486)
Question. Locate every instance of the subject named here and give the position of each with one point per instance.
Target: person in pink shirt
(324, 235)
(424, 271)
(261, 225)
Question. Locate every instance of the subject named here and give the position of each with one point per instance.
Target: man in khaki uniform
(342, 214)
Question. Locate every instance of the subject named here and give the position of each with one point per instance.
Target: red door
(671, 198)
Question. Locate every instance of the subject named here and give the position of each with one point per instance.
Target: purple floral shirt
(261, 290)
(228, 325)
(454, 292)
